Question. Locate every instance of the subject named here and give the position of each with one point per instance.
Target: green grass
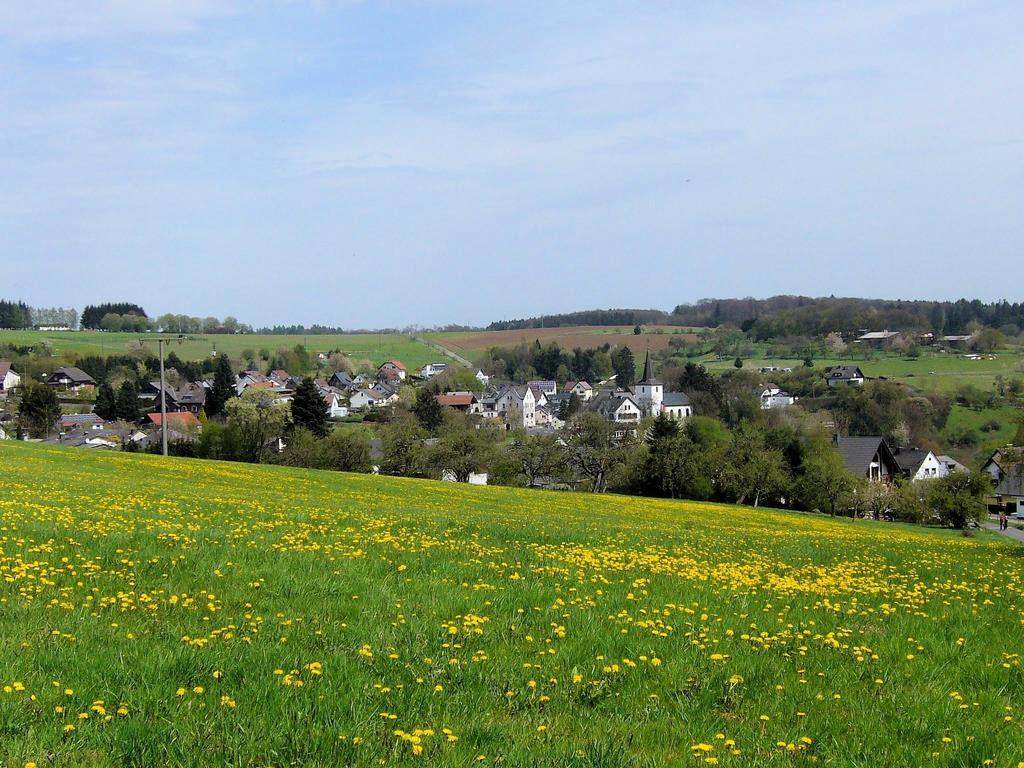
(374, 347)
(540, 629)
(931, 372)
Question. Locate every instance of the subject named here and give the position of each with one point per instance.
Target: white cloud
(44, 21)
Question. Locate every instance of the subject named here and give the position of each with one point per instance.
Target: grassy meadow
(173, 612)
(473, 343)
(931, 372)
(369, 346)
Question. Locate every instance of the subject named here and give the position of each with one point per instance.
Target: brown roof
(5, 366)
(396, 363)
(183, 419)
(453, 400)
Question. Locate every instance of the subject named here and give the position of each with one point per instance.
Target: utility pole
(161, 341)
(163, 400)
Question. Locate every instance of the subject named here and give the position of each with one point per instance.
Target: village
(536, 408)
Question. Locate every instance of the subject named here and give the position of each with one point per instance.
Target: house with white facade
(774, 397)
(8, 378)
(516, 405)
(844, 376)
(547, 387)
(371, 398)
(482, 377)
(581, 389)
(430, 370)
(392, 370)
(336, 408)
(920, 465)
(71, 379)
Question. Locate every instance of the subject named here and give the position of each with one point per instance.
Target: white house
(482, 377)
(370, 398)
(430, 370)
(581, 389)
(773, 397)
(516, 404)
(547, 387)
(845, 375)
(392, 370)
(620, 408)
(921, 465)
(475, 478)
(8, 378)
(539, 396)
(336, 409)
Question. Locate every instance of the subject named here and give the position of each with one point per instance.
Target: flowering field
(174, 612)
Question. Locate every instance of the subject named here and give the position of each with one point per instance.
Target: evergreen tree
(569, 407)
(624, 366)
(428, 411)
(106, 405)
(127, 407)
(309, 409)
(38, 410)
(223, 388)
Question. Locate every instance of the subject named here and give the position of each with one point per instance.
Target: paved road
(1012, 532)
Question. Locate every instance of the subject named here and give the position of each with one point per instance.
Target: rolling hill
(173, 612)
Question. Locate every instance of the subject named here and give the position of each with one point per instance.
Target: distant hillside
(797, 315)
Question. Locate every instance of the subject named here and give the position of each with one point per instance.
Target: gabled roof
(1012, 483)
(179, 420)
(845, 372)
(910, 461)
(5, 366)
(859, 452)
(608, 403)
(397, 363)
(456, 399)
(74, 375)
(78, 419)
(674, 399)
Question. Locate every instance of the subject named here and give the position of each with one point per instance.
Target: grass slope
(174, 612)
(375, 347)
(931, 372)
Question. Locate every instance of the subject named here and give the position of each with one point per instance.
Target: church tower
(649, 392)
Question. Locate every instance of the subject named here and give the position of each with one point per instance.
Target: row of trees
(780, 316)
(18, 315)
(532, 361)
(134, 323)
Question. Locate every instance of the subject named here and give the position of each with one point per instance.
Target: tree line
(780, 316)
(17, 315)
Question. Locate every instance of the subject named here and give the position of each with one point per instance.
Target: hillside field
(174, 612)
(931, 372)
(472, 343)
(370, 346)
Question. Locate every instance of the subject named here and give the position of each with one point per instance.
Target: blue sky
(386, 164)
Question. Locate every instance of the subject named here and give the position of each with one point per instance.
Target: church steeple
(649, 371)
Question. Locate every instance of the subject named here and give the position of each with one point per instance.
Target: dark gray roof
(1012, 483)
(75, 375)
(845, 372)
(675, 399)
(859, 452)
(910, 460)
